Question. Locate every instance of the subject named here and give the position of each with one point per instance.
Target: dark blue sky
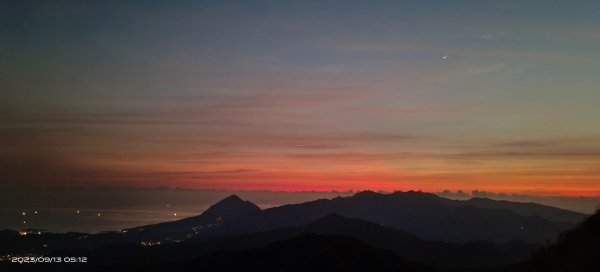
(495, 95)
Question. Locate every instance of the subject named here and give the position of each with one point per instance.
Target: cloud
(581, 204)
(528, 144)
(491, 154)
(342, 157)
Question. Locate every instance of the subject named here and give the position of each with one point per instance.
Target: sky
(501, 96)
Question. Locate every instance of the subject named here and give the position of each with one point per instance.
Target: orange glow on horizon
(377, 185)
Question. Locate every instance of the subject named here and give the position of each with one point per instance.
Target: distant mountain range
(527, 209)
(403, 230)
(426, 215)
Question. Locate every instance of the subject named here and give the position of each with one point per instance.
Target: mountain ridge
(425, 215)
(227, 208)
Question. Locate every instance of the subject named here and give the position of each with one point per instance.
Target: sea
(97, 210)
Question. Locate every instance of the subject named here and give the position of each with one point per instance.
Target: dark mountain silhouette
(11, 242)
(426, 215)
(307, 252)
(408, 246)
(215, 235)
(311, 252)
(329, 243)
(229, 207)
(576, 250)
(527, 209)
(423, 214)
(226, 209)
(413, 248)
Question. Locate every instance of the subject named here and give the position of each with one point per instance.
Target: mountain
(226, 209)
(11, 242)
(310, 252)
(408, 246)
(576, 250)
(527, 209)
(307, 252)
(413, 248)
(229, 207)
(426, 215)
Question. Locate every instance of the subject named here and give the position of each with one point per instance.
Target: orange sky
(317, 96)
